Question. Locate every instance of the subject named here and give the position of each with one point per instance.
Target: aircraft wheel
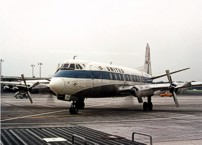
(145, 106)
(150, 106)
(21, 96)
(73, 110)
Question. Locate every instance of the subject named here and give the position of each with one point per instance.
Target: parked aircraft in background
(23, 87)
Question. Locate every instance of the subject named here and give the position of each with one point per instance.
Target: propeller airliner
(76, 80)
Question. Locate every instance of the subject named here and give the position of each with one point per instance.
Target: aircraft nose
(57, 85)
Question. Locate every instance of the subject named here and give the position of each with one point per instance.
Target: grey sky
(52, 31)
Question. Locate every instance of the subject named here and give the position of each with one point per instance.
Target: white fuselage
(92, 79)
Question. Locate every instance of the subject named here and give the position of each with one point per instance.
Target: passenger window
(127, 79)
(110, 76)
(141, 79)
(138, 78)
(115, 77)
(118, 77)
(130, 77)
(134, 78)
(122, 77)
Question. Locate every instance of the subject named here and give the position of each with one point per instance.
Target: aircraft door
(96, 77)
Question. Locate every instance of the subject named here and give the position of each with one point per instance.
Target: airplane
(76, 80)
(23, 86)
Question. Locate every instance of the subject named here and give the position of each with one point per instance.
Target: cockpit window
(78, 66)
(72, 66)
(66, 65)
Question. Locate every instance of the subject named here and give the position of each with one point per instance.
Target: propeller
(26, 88)
(172, 88)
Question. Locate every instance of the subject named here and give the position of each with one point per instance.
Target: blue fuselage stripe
(87, 74)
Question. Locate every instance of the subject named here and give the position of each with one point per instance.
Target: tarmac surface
(167, 124)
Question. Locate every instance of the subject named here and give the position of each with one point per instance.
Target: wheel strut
(73, 109)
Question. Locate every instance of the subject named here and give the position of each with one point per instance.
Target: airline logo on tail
(147, 64)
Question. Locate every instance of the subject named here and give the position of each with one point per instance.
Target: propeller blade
(50, 98)
(52, 93)
(29, 96)
(169, 77)
(23, 79)
(175, 99)
(172, 88)
(35, 84)
(16, 94)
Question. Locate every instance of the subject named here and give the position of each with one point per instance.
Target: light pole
(1, 60)
(33, 70)
(74, 57)
(40, 64)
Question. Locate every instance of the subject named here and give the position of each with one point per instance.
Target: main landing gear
(148, 106)
(76, 105)
(80, 104)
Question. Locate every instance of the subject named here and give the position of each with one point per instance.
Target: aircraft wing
(156, 87)
(166, 86)
(196, 84)
(10, 83)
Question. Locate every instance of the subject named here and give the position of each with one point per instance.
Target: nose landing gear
(73, 109)
(76, 105)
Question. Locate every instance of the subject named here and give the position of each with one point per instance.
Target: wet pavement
(118, 116)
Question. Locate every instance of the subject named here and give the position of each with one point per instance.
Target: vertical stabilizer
(147, 63)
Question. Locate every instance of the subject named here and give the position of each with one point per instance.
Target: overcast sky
(52, 31)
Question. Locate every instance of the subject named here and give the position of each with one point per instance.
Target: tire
(150, 106)
(73, 110)
(145, 106)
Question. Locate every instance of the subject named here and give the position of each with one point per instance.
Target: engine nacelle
(143, 91)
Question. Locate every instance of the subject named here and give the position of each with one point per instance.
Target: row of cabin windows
(116, 76)
(101, 75)
(127, 77)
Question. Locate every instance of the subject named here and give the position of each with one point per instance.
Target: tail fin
(147, 63)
